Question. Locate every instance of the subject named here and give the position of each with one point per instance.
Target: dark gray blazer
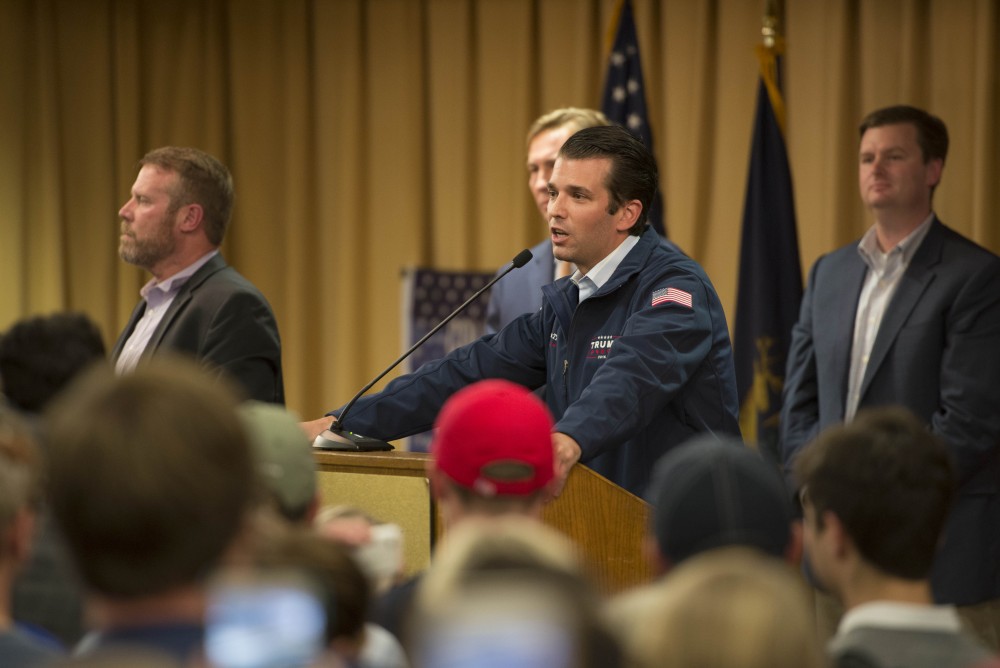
(937, 352)
(223, 321)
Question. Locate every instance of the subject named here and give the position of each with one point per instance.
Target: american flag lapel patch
(672, 295)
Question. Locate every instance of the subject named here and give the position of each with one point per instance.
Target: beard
(149, 251)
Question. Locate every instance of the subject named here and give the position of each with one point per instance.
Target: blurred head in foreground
(732, 607)
(715, 492)
(508, 591)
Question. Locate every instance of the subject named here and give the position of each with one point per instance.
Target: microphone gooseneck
(338, 438)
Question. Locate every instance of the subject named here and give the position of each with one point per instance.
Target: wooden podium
(605, 521)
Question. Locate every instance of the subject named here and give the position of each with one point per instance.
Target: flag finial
(770, 29)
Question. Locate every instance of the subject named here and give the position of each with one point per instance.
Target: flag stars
(623, 98)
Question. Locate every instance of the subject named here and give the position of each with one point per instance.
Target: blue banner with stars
(429, 296)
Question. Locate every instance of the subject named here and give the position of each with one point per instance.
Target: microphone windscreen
(522, 258)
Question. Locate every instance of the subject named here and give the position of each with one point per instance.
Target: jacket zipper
(565, 381)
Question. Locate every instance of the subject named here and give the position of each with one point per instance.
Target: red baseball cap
(495, 438)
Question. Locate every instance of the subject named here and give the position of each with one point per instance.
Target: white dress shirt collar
(173, 284)
(893, 615)
(603, 270)
(876, 259)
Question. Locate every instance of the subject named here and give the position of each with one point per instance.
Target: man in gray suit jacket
(172, 226)
(521, 292)
(875, 494)
(910, 315)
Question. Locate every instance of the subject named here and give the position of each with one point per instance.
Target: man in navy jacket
(633, 348)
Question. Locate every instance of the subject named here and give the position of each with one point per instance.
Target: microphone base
(341, 440)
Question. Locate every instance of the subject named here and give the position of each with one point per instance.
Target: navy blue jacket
(626, 379)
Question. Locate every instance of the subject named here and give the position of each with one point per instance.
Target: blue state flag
(624, 99)
(770, 277)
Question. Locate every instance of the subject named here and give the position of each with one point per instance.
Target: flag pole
(769, 288)
(772, 46)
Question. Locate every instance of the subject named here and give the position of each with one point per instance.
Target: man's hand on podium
(316, 427)
(567, 453)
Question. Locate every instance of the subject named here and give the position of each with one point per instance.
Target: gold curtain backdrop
(366, 136)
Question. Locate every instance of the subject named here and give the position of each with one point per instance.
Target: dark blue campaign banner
(429, 296)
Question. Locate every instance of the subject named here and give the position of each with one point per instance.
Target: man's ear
(628, 214)
(192, 217)
(837, 534)
(934, 169)
(449, 504)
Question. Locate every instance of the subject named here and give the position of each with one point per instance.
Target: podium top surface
(391, 462)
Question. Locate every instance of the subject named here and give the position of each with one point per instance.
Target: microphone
(338, 438)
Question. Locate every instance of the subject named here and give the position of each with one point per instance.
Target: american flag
(624, 98)
(672, 295)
